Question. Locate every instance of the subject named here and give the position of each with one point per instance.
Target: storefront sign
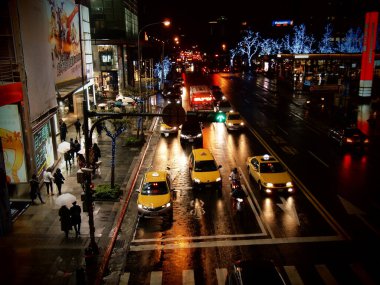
(43, 147)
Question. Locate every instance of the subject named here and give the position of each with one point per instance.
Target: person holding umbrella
(64, 214)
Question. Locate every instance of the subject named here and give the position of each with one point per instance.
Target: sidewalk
(36, 251)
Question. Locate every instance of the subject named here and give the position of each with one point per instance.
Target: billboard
(49, 31)
(43, 148)
(13, 144)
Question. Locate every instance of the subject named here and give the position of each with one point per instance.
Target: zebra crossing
(357, 275)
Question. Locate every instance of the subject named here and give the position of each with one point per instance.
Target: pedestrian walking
(64, 214)
(75, 212)
(58, 180)
(81, 160)
(62, 130)
(67, 157)
(72, 149)
(48, 180)
(77, 147)
(99, 128)
(35, 189)
(94, 156)
(77, 125)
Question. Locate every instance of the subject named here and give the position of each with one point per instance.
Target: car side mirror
(219, 166)
(138, 190)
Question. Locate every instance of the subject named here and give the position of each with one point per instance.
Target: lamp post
(166, 23)
(92, 247)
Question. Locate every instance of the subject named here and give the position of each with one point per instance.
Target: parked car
(271, 176)
(348, 137)
(251, 272)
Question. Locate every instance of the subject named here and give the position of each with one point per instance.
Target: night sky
(191, 18)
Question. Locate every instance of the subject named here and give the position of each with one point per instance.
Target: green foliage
(134, 141)
(104, 192)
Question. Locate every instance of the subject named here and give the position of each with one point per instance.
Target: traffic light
(207, 116)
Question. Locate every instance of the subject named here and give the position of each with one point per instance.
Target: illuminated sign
(43, 148)
(301, 56)
(282, 23)
(368, 55)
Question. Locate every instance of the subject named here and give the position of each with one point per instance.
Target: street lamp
(166, 24)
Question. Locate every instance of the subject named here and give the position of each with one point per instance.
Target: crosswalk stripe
(221, 274)
(362, 274)
(124, 278)
(326, 275)
(294, 277)
(188, 277)
(156, 278)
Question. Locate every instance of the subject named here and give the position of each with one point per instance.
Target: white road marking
(221, 275)
(294, 277)
(282, 130)
(180, 244)
(325, 274)
(289, 209)
(188, 277)
(156, 278)
(317, 158)
(198, 210)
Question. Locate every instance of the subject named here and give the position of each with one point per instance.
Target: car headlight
(289, 184)
(183, 136)
(241, 124)
(230, 124)
(140, 206)
(218, 179)
(167, 205)
(199, 135)
(268, 184)
(196, 180)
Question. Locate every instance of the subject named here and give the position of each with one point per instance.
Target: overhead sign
(282, 23)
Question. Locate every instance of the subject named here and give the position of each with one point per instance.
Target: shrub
(105, 192)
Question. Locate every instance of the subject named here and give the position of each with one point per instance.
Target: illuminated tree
(166, 64)
(300, 42)
(326, 45)
(233, 53)
(353, 42)
(249, 45)
(270, 47)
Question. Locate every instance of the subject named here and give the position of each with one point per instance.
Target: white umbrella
(63, 147)
(65, 199)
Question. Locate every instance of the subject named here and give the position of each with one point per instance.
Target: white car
(125, 100)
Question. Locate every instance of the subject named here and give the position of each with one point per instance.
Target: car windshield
(154, 188)
(271, 167)
(191, 127)
(234, 117)
(205, 166)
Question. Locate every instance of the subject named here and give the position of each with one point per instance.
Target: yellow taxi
(270, 174)
(155, 195)
(204, 171)
(166, 130)
(234, 121)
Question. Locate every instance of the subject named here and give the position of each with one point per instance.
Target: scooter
(237, 194)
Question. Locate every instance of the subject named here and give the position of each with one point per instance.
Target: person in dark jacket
(76, 220)
(64, 214)
(77, 125)
(35, 189)
(62, 130)
(58, 180)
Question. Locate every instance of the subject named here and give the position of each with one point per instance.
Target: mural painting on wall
(64, 39)
(13, 145)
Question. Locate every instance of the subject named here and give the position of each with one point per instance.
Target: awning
(67, 90)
